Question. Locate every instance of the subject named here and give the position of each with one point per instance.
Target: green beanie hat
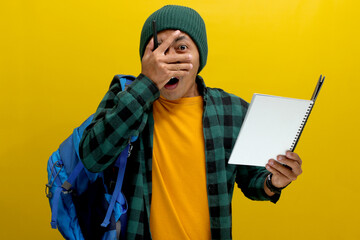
(178, 18)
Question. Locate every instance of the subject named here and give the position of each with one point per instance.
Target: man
(175, 189)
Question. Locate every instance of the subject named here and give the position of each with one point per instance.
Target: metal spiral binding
(301, 127)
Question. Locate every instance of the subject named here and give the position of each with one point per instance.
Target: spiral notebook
(271, 126)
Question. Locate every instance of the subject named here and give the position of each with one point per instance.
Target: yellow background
(57, 59)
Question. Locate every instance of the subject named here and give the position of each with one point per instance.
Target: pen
(317, 88)
(313, 98)
(156, 44)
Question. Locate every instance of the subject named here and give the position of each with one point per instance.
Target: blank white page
(270, 126)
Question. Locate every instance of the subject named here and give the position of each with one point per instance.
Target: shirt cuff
(144, 90)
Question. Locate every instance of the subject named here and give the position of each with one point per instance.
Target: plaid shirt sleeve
(251, 179)
(120, 115)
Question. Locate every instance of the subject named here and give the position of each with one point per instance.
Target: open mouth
(172, 83)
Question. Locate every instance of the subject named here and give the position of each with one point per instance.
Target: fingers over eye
(167, 43)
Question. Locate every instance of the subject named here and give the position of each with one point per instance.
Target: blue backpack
(86, 205)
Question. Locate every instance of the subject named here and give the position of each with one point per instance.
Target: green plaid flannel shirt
(122, 114)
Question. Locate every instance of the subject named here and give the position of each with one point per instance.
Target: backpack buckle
(130, 149)
(47, 191)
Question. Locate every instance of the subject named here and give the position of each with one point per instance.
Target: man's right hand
(163, 64)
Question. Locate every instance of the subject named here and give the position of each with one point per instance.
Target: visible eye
(182, 47)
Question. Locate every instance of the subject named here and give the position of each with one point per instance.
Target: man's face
(182, 86)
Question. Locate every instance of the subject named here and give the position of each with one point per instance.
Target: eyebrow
(180, 38)
(177, 39)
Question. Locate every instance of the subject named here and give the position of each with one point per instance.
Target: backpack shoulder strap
(125, 81)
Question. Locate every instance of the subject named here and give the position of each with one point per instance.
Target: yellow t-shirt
(179, 205)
